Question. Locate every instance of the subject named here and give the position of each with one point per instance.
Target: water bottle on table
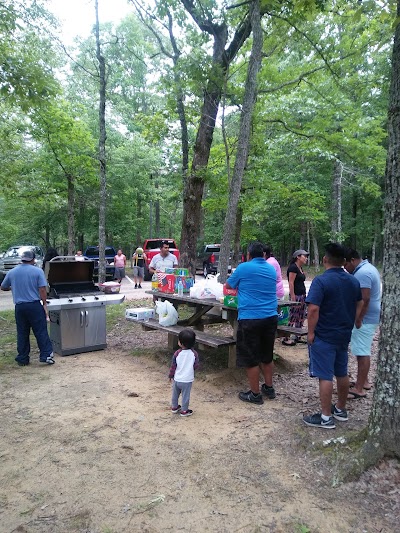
(180, 288)
(154, 283)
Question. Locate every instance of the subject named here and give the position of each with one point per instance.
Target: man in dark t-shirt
(334, 306)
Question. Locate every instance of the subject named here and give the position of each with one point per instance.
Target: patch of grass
(116, 313)
(8, 338)
(301, 528)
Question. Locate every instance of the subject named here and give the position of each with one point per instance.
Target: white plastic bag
(167, 314)
(207, 288)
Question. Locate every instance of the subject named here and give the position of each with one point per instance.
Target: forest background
(315, 163)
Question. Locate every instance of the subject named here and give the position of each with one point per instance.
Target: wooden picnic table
(206, 311)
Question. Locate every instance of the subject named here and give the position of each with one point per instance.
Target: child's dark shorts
(255, 341)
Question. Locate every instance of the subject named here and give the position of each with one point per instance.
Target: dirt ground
(90, 445)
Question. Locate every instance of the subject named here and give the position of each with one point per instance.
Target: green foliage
(322, 99)
(26, 57)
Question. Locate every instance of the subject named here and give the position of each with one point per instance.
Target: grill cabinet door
(72, 328)
(95, 326)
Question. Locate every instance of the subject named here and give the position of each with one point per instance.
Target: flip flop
(353, 384)
(355, 396)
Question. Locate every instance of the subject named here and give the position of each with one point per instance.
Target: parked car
(151, 247)
(208, 259)
(12, 257)
(92, 253)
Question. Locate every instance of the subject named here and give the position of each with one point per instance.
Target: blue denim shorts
(327, 360)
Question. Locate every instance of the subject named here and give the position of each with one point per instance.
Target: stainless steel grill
(76, 306)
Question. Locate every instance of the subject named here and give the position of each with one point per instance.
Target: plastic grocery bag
(167, 314)
(207, 288)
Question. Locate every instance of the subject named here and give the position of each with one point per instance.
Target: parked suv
(12, 257)
(208, 260)
(151, 247)
(92, 253)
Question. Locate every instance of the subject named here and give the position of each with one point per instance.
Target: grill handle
(86, 318)
(82, 318)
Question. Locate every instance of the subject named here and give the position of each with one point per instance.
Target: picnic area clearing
(90, 445)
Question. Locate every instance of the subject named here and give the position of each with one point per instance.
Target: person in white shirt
(184, 362)
(164, 259)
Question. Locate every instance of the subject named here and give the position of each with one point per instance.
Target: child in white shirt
(184, 362)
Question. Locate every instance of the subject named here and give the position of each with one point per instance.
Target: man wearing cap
(28, 286)
(297, 292)
(164, 259)
(138, 258)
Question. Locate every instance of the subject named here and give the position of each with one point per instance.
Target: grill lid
(68, 277)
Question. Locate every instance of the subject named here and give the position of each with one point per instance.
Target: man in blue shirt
(28, 286)
(334, 305)
(361, 339)
(255, 281)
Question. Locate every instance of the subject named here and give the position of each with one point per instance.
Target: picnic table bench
(202, 338)
(284, 331)
(208, 311)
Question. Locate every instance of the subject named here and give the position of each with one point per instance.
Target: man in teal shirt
(361, 339)
(255, 281)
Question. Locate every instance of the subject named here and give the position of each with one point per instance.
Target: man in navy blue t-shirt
(334, 306)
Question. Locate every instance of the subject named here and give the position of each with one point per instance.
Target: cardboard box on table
(181, 271)
(187, 282)
(166, 282)
(231, 301)
(230, 297)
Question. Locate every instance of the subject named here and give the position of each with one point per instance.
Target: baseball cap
(28, 255)
(139, 250)
(299, 252)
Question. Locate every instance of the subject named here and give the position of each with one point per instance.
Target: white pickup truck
(12, 257)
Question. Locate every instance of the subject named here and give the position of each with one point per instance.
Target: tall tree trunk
(47, 235)
(354, 210)
(373, 254)
(194, 184)
(138, 220)
(303, 234)
(314, 247)
(157, 210)
(80, 238)
(249, 99)
(237, 250)
(71, 214)
(384, 422)
(102, 149)
(336, 222)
